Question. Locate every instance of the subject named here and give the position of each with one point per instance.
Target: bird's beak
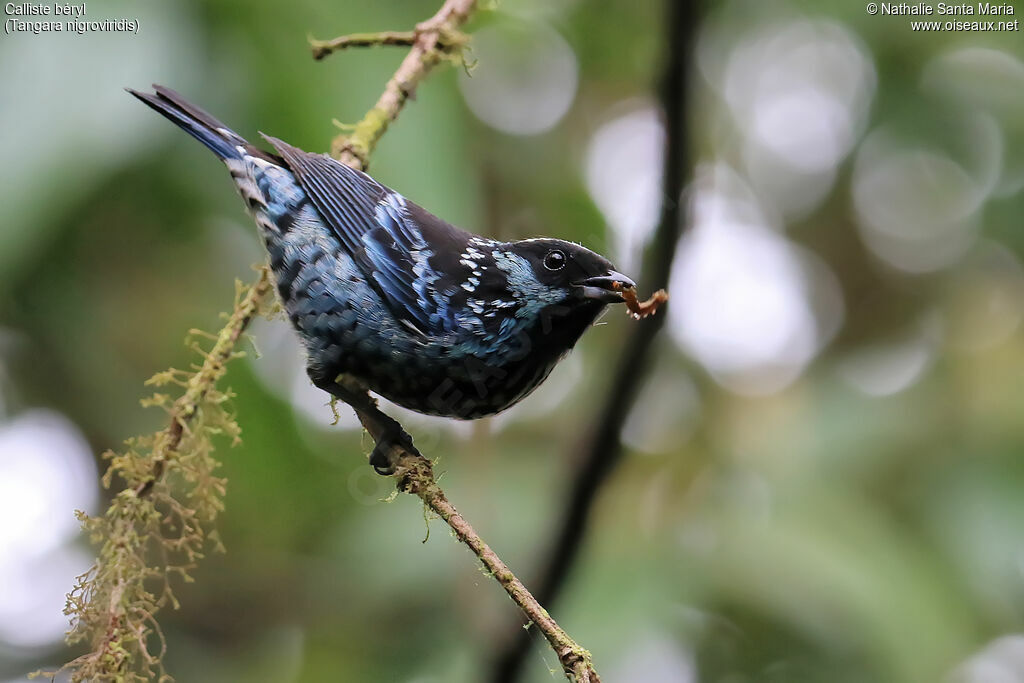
(607, 288)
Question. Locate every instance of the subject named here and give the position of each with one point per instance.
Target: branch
(110, 605)
(202, 382)
(322, 48)
(415, 475)
(431, 42)
(448, 41)
(603, 448)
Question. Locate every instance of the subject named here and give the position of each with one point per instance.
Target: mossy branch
(415, 475)
(205, 379)
(432, 41)
(448, 41)
(323, 48)
(113, 605)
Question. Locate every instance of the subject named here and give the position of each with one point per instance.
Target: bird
(388, 298)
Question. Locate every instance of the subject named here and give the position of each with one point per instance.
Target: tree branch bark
(415, 475)
(432, 40)
(323, 48)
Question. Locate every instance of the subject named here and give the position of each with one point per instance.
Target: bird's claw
(384, 457)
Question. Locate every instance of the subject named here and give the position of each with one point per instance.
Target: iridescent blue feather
(389, 296)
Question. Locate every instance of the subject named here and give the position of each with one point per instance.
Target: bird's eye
(555, 260)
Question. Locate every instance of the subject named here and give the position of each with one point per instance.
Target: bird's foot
(385, 455)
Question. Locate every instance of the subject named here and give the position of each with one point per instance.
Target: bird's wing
(377, 227)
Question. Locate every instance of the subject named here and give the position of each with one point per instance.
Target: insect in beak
(607, 288)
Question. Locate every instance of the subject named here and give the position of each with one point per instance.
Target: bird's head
(578, 275)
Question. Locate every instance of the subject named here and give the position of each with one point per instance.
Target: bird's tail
(220, 139)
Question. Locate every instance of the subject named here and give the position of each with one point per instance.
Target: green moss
(364, 136)
(159, 525)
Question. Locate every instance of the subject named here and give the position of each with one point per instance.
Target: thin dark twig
(603, 449)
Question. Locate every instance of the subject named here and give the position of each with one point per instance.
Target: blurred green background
(824, 479)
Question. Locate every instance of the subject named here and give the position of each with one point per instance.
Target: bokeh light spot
(623, 171)
(745, 298)
(525, 77)
(47, 471)
(917, 208)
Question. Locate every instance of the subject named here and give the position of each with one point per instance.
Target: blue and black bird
(389, 298)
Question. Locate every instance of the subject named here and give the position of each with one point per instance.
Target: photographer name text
(923, 9)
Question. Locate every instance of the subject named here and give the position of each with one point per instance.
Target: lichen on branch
(433, 41)
(161, 522)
